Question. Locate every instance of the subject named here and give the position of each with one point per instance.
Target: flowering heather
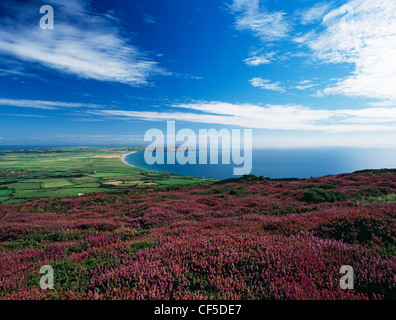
(245, 239)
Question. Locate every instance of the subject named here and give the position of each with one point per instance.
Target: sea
(274, 163)
(280, 163)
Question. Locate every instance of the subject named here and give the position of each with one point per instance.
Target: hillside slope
(252, 238)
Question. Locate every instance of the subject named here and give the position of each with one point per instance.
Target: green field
(65, 172)
(56, 183)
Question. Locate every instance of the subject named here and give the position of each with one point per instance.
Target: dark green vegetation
(66, 172)
(319, 195)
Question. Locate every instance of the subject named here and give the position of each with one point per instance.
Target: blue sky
(299, 73)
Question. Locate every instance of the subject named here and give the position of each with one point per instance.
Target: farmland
(66, 172)
(251, 238)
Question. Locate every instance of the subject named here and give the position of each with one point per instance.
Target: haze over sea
(290, 163)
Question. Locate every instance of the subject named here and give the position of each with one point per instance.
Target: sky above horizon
(299, 73)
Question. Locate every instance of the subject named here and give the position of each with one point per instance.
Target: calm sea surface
(292, 163)
(296, 163)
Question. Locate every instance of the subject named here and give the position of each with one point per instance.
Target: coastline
(122, 158)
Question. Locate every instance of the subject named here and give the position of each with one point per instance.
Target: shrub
(318, 195)
(359, 229)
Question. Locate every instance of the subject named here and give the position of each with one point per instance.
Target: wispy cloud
(385, 103)
(268, 26)
(45, 105)
(315, 13)
(257, 60)
(272, 117)
(362, 32)
(23, 115)
(148, 19)
(266, 84)
(6, 72)
(84, 43)
(305, 84)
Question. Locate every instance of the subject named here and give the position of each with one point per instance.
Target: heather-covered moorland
(252, 238)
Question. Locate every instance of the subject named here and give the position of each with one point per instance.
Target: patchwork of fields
(67, 172)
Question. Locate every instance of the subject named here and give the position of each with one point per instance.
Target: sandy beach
(122, 158)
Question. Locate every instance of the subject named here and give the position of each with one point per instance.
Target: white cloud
(271, 117)
(385, 103)
(266, 84)
(257, 60)
(45, 105)
(84, 43)
(363, 33)
(305, 84)
(268, 26)
(314, 14)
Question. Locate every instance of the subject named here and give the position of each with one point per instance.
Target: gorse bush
(326, 186)
(361, 227)
(319, 195)
(374, 192)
